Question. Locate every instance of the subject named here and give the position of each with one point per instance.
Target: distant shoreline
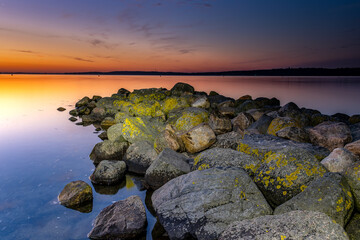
(266, 72)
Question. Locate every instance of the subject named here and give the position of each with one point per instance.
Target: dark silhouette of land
(266, 72)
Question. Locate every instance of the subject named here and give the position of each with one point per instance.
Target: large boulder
(168, 165)
(219, 123)
(352, 175)
(339, 160)
(330, 135)
(329, 194)
(355, 131)
(169, 139)
(190, 117)
(139, 157)
(352, 229)
(286, 173)
(173, 103)
(181, 88)
(148, 94)
(261, 126)
(108, 150)
(227, 140)
(222, 157)
(82, 102)
(146, 109)
(292, 225)
(280, 123)
(294, 133)
(198, 138)
(201, 204)
(354, 147)
(125, 219)
(108, 172)
(75, 194)
(261, 146)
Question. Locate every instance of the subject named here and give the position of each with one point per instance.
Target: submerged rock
(75, 194)
(73, 119)
(292, 225)
(125, 219)
(139, 156)
(198, 138)
(168, 165)
(329, 194)
(330, 135)
(108, 172)
(201, 204)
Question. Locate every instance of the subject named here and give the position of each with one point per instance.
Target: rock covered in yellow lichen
(173, 102)
(191, 117)
(279, 123)
(75, 193)
(352, 175)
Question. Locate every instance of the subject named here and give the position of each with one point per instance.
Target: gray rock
(108, 172)
(227, 140)
(352, 228)
(286, 173)
(352, 175)
(257, 113)
(106, 102)
(168, 165)
(201, 102)
(242, 121)
(114, 132)
(262, 124)
(297, 134)
(108, 150)
(139, 157)
(329, 194)
(198, 138)
(330, 135)
(125, 219)
(339, 160)
(292, 225)
(201, 204)
(82, 102)
(169, 139)
(260, 146)
(180, 88)
(75, 193)
(219, 123)
(354, 147)
(355, 131)
(222, 157)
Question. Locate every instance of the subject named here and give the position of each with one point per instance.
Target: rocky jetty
(224, 168)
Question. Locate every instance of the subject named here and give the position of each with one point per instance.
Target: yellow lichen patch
(283, 237)
(242, 195)
(172, 103)
(340, 201)
(146, 109)
(189, 120)
(349, 194)
(278, 186)
(348, 204)
(333, 221)
(320, 199)
(280, 123)
(284, 193)
(303, 187)
(193, 182)
(203, 166)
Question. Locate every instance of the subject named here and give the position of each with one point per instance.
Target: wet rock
(169, 139)
(108, 172)
(219, 123)
(108, 150)
(91, 105)
(82, 102)
(201, 102)
(352, 175)
(285, 174)
(84, 110)
(107, 122)
(61, 109)
(352, 228)
(242, 121)
(201, 204)
(73, 113)
(330, 135)
(98, 113)
(261, 125)
(292, 225)
(222, 157)
(294, 133)
(103, 136)
(190, 117)
(354, 147)
(339, 160)
(198, 138)
(73, 119)
(75, 194)
(168, 165)
(139, 157)
(227, 140)
(329, 194)
(180, 88)
(354, 119)
(125, 219)
(261, 146)
(280, 123)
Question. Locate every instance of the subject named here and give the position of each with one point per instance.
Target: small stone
(73, 119)
(74, 113)
(61, 109)
(75, 193)
(125, 219)
(108, 172)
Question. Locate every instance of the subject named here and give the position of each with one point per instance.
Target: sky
(177, 35)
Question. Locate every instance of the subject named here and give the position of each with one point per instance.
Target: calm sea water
(41, 150)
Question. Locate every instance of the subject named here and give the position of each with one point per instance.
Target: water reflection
(86, 208)
(109, 190)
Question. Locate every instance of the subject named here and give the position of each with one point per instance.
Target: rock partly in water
(292, 225)
(198, 138)
(103, 136)
(75, 194)
(73, 112)
(73, 119)
(329, 194)
(125, 219)
(107, 122)
(201, 204)
(108, 172)
(339, 160)
(354, 147)
(82, 102)
(330, 135)
(61, 109)
(352, 175)
(222, 157)
(108, 150)
(352, 228)
(219, 123)
(168, 165)
(139, 156)
(286, 173)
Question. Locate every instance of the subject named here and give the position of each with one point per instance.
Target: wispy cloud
(82, 59)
